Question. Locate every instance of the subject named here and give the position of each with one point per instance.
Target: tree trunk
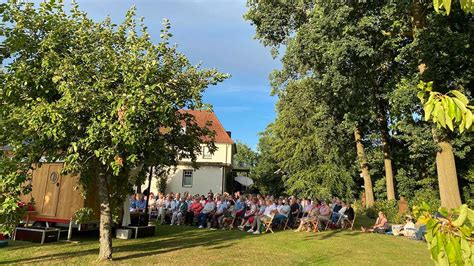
(105, 249)
(445, 162)
(387, 158)
(447, 177)
(364, 167)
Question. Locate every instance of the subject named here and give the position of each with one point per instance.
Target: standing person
(294, 211)
(206, 212)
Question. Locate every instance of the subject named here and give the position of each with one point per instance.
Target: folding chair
(349, 222)
(284, 224)
(315, 224)
(268, 225)
(328, 222)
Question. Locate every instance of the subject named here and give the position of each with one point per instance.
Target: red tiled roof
(203, 117)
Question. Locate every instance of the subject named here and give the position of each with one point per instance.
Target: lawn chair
(346, 223)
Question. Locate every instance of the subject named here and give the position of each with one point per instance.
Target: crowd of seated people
(246, 212)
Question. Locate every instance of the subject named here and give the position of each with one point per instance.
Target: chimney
(229, 133)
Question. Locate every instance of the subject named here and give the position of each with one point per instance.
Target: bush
(389, 208)
(427, 195)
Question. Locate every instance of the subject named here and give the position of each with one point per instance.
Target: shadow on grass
(166, 240)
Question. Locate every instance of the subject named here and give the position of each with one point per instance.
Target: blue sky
(214, 33)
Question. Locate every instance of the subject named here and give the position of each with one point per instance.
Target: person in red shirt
(193, 212)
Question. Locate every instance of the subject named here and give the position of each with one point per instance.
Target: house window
(187, 178)
(206, 154)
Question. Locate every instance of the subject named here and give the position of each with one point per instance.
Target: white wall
(204, 179)
(223, 154)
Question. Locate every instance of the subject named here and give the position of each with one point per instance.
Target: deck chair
(346, 223)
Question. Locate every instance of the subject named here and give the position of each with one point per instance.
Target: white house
(212, 169)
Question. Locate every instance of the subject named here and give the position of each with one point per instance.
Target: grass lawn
(188, 245)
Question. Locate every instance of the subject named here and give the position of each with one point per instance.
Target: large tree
(349, 49)
(101, 97)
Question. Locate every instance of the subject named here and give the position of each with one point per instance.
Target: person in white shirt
(208, 210)
(221, 206)
(339, 213)
(267, 216)
(151, 201)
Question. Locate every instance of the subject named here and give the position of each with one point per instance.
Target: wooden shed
(57, 196)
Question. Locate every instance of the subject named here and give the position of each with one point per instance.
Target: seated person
(229, 216)
(312, 216)
(380, 225)
(252, 222)
(133, 202)
(307, 208)
(337, 215)
(151, 201)
(408, 229)
(193, 212)
(169, 206)
(253, 209)
(140, 204)
(180, 212)
(337, 206)
(206, 212)
(324, 213)
(221, 207)
(239, 206)
(283, 212)
(349, 214)
(267, 216)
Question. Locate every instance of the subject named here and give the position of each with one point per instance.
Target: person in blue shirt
(140, 204)
(133, 202)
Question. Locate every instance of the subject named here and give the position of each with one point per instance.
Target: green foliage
(245, 156)
(12, 183)
(389, 208)
(446, 110)
(83, 215)
(445, 6)
(429, 196)
(99, 96)
(265, 174)
(449, 237)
